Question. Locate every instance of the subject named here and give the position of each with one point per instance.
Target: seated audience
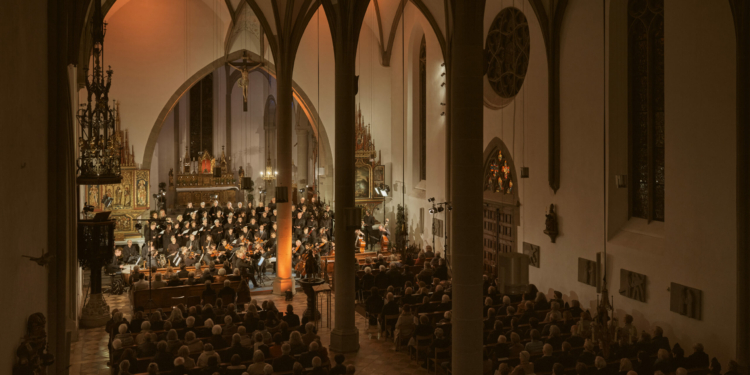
(546, 361)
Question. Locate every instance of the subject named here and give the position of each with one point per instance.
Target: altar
(369, 171)
(201, 179)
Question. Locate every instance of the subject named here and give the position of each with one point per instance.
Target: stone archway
(500, 214)
(319, 131)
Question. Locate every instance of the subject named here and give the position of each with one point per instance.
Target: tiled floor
(89, 355)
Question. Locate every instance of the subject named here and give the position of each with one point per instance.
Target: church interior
(182, 171)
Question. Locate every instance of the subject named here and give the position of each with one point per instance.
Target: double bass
(384, 242)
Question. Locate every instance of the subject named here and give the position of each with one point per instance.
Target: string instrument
(384, 242)
(361, 244)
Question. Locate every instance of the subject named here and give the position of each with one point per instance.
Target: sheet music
(272, 259)
(260, 262)
(177, 261)
(160, 233)
(186, 231)
(194, 233)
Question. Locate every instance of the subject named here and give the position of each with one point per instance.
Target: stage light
(88, 208)
(138, 226)
(214, 196)
(431, 199)
(432, 211)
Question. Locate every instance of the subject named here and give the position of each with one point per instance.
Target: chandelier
(99, 144)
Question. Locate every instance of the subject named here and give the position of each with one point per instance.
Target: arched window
(201, 117)
(423, 110)
(646, 108)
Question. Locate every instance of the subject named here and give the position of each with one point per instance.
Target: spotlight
(301, 190)
(431, 199)
(450, 208)
(432, 211)
(138, 226)
(88, 208)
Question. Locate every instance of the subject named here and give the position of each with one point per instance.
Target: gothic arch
(269, 70)
(490, 152)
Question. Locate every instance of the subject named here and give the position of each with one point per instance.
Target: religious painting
(362, 182)
(379, 173)
(633, 285)
(120, 191)
(92, 196)
(123, 223)
(498, 178)
(141, 189)
(534, 252)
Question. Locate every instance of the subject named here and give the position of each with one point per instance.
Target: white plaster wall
(404, 160)
(23, 124)
(695, 246)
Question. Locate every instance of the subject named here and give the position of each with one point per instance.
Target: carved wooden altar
(369, 172)
(198, 184)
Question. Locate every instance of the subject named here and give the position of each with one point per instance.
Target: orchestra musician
(299, 224)
(359, 242)
(131, 252)
(192, 245)
(217, 231)
(118, 262)
(384, 238)
(311, 263)
(230, 237)
(173, 248)
(324, 247)
(151, 233)
(369, 222)
(225, 250)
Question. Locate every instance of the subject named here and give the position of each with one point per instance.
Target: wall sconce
(622, 181)
(442, 84)
(442, 113)
(443, 74)
(524, 172)
(442, 64)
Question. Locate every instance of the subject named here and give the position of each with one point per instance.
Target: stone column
(302, 156)
(344, 336)
(465, 108)
(284, 280)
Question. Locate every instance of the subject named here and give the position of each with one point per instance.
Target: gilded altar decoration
(100, 147)
(204, 175)
(141, 189)
(369, 170)
(32, 356)
(498, 178)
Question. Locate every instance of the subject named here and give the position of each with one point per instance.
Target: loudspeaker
(217, 172)
(282, 194)
(247, 183)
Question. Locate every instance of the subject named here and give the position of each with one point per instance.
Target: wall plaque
(633, 285)
(588, 272)
(686, 301)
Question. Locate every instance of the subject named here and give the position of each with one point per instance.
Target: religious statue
(94, 195)
(245, 68)
(551, 223)
(126, 200)
(32, 355)
(171, 177)
(142, 198)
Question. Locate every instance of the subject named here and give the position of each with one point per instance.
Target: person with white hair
(317, 365)
(446, 317)
(524, 363)
(310, 334)
(123, 335)
(208, 351)
(117, 349)
(179, 366)
(439, 342)
(445, 303)
(259, 365)
(217, 340)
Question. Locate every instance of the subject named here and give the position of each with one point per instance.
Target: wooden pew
(165, 297)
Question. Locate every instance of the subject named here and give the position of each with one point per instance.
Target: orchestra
(245, 237)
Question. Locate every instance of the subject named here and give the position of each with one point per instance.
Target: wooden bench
(165, 297)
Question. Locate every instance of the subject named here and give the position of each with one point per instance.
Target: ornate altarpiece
(369, 172)
(196, 182)
(130, 198)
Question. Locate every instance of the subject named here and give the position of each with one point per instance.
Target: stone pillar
(284, 280)
(465, 108)
(344, 336)
(302, 156)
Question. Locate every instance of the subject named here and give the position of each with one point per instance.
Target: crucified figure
(245, 68)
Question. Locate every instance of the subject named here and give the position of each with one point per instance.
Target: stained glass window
(201, 117)
(646, 108)
(498, 178)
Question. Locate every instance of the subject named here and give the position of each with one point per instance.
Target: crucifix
(245, 67)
